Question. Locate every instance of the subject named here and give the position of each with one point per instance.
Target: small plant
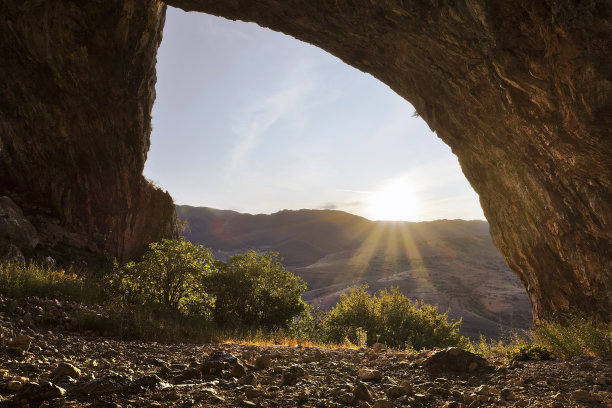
(529, 352)
(362, 337)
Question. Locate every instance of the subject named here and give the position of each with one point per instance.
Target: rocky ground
(58, 367)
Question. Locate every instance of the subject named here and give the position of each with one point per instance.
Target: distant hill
(452, 263)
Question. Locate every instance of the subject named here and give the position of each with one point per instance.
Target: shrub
(575, 334)
(255, 290)
(529, 352)
(170, 276)
(356, 310)
(391, 318)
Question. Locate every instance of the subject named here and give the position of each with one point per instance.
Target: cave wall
(519, 90)
(78, 85)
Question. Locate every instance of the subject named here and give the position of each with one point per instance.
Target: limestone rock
(292, 375)
(17, 234)
(103, 385)
(187, 375)
(381, 403)
(238, 370)
(15, 227)
(263, 362)
(454, 359)
(585, 396)
(34, 393)
(10, 252)
(19, 344)
(363, 392)
(65, 369)
(219, 361)
(397, 391)
(64, 155)
(366, 374)
(13, 385)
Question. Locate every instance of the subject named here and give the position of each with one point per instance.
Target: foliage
(508, 344)
(308, 326)
(362, 337)
(171, 276)
(20, 280)
(529, 352)
(576, 334)
(255, 290)
(357, 309)
(391, 318)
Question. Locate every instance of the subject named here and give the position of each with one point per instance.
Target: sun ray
(363, 255)
(411, 249)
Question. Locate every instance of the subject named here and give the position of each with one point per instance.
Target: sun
(395, 201)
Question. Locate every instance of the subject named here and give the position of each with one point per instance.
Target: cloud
(328, 206)
(254, 120)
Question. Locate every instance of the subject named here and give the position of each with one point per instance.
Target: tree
(256, 290)
(171, 274)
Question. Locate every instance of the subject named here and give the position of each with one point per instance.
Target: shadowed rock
(454, 359)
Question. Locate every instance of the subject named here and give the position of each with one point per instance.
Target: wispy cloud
(252, 121)
(329, 206)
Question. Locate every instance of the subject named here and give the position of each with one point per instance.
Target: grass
(19, 280)
(509, 344)
(576, 335)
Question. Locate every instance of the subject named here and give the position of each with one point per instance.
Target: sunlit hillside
(451, 263)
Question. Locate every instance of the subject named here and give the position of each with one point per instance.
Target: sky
(252, 120)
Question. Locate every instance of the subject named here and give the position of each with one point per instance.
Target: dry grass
(19, 280)
(577, 335)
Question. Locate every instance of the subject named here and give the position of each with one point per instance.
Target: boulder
(454, 359)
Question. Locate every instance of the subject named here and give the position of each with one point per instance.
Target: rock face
(16, 232)
(75, 117)
(520, 91)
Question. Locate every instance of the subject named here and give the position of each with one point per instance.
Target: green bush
(393, 319)
(575, 334)
(171, 276)
(356, 310)
(254, 289)
(529, 352)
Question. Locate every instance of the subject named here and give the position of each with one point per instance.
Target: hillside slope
(451, 263)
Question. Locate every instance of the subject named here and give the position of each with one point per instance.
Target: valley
(449, 263)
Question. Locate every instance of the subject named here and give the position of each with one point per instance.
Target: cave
(520, 91)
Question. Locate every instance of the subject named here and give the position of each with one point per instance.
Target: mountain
(451, 263)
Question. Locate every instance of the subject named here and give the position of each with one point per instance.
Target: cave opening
(251, 120)
(255, 121)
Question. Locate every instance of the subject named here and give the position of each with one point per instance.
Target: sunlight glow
(395, 201)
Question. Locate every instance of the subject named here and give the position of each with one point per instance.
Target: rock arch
(519, 90)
